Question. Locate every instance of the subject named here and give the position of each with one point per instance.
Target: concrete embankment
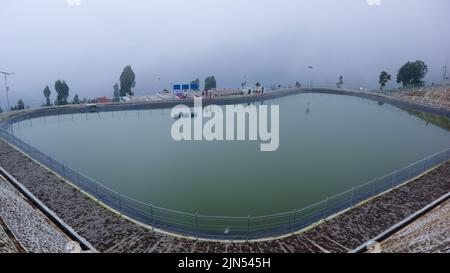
(110, 232)
(12, 117)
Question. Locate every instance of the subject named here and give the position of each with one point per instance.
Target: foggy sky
(271, 41)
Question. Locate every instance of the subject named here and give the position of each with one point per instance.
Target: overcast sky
(88, 42)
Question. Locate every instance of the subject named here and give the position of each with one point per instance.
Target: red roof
(103, 100)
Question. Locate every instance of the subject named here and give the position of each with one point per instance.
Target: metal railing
(412, 88)
(223, 227)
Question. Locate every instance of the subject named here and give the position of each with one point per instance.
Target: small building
(102, 100)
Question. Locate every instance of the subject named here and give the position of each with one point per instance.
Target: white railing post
(351, 198)
(325, 209)
(373, 187)
(248, 227)
(293, 221)
(120, 204)
(196, 221)
(152, 215)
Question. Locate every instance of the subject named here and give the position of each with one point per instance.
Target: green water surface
(328, 143)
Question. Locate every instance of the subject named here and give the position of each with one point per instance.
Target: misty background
(88, 42)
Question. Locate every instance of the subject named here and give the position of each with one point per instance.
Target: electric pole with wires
(6, 74)
(444, 74)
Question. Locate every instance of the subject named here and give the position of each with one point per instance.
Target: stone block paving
(29, 228)
(6, 243)
(429, 233)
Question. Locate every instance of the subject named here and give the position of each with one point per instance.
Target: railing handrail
(316, 211)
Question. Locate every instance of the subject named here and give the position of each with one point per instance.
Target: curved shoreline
(164, 104)
(83, 108)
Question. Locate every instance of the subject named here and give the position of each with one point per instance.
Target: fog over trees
(175, 41)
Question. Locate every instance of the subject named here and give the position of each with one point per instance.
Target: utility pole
(310, 69)
(159, 83)
(6, 74)
(444, 74)
(244, 83)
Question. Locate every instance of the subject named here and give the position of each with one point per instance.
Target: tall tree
(116, 94)
(65, 90)
(62, 92)
(127, 81)
(207, 83)
(76, 99)
(210, 83)
(197, 82)
(20, 105)
(384, 78)
(340, 82)
(47, 93)
(412, 73)
(213, 82)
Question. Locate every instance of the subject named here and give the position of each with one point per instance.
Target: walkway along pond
(243, 228)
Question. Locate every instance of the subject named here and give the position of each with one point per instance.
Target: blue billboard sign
(192, 86)
(195, 86)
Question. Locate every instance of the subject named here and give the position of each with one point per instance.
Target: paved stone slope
(28, 226)
(430, 233)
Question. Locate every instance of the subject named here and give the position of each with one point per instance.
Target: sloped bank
(28, 226)
(13, 117)
(134, 238)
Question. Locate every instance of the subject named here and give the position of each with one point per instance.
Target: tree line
(410, 74)
(62, 94)
(124, 87)
(127, 81)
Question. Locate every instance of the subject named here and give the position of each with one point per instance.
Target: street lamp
(310, 68)
(6, 74)
(244, 83)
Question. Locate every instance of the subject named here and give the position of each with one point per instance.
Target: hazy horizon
(87, 43)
